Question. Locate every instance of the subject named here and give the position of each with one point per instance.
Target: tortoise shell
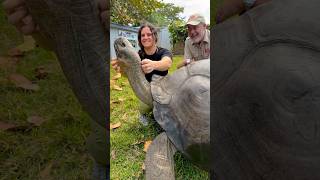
(265, 91)
(182, 108)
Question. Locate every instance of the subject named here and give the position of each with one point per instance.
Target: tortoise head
(125, 52)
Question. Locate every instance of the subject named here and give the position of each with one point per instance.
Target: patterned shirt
(197, 51)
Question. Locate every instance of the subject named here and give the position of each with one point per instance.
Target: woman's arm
(162, 65)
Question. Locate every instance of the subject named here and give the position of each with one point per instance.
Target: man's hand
(115, 65)
(184, 63)
(118, 66)
(147, 66)
(20, 17)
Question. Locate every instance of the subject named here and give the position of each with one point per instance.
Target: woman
(154, 60)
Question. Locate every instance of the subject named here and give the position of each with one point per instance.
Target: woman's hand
(147, 65)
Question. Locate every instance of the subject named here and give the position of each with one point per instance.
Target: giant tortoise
(74, 32)
(181, 105)
(266, 93)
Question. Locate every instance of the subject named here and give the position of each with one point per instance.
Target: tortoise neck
(139, 84)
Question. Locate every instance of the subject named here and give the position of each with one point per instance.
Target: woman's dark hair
(153, 31)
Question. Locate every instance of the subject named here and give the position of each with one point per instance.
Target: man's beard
(198, 38)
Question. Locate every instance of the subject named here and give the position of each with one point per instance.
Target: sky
(193, 6)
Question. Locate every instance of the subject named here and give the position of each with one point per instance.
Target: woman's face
(147, 39)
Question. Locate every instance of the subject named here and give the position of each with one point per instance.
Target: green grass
(60, 140)
(214, 5)
(56, 149)
(127, 155)
(9, 36)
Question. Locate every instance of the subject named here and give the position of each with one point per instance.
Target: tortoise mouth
(125, 52)
(121, 45)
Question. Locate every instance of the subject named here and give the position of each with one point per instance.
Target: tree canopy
(134, 12)
(178, 31)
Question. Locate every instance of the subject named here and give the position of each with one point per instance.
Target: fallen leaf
(116, 87)
(12, 127)
(113, 154)
(114, 102)
(35, 120)
(112, 82)
(117, 101)
(146, 145)
(14, 52)
(45, 173)
(117, 76)
(8, 62)
(116, 125)
(22, 82)
(143, 167)
(41, 73)
(5, 126)
(137, 143)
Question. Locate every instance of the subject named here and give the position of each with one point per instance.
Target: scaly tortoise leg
(159, 159)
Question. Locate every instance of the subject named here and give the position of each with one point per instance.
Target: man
(233, 7)
(20, 17)
(197, 44)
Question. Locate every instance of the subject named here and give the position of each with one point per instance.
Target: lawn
(56, 148)
(127, 141)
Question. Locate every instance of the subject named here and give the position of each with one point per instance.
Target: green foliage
(165, 15)
(178, 31)
(132, 11)
(135, 12)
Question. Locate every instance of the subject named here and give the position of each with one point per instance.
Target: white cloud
(193, 6)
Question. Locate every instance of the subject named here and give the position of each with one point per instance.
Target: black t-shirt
(157, 56)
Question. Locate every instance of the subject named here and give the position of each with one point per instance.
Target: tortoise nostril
(123, 44)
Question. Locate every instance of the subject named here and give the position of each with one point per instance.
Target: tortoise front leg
(159, 161)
